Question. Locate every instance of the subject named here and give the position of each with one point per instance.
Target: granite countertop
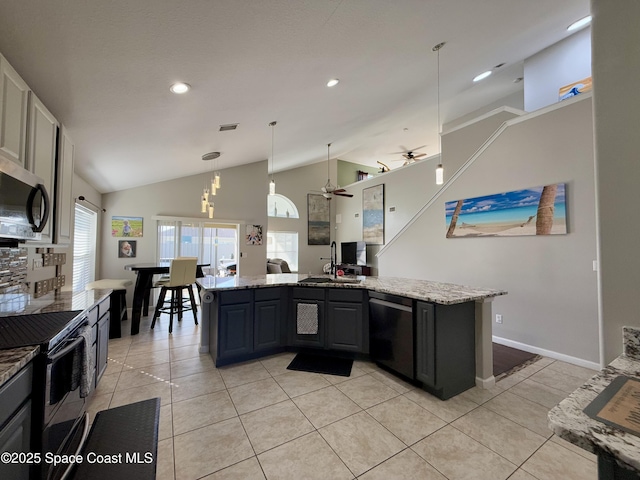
(568, 421)
(24, 303)
(434, 292)
(13, 360)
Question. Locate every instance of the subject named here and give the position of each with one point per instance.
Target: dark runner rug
(506, 358)
(307, 362)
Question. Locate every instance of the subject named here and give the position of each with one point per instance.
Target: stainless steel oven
(65, 419)
(59, 423)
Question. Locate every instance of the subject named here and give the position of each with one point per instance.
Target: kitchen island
(259, 312)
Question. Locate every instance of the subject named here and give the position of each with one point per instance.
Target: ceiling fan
(409, 155)
(329, 189)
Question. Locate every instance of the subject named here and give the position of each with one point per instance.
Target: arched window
(281, 206)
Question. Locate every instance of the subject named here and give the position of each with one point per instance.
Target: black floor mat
(306, 362)
(505, 358)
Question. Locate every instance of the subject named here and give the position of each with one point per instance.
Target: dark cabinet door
(103, 346)
(235, 330)
(267, 324)
(425, 343)
(344, 326)
(298, 335)
(16, 437)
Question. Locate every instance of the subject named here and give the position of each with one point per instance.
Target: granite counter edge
(461, 298)
(15, 359)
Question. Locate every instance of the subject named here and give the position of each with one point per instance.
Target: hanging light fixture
(215, 175)
(439, 168)
(207, 203)
(272, 183)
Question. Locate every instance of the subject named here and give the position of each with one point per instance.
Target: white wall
(461, 142)
(242, 197)
(408, 188)
(552, 299)
(513, 102)
(565, 62)
(616, 68)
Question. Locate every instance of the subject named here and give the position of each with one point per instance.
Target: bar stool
(182, 275)
(118, 300)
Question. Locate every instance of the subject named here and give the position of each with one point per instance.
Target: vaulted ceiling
(104, 69)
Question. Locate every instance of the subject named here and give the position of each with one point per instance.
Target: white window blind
(283, 245)
(215, 244)
(84, 247)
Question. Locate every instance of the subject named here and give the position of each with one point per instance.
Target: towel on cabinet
(307, 319)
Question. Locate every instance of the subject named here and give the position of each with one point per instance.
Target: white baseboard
(485, 382)
(547, 353)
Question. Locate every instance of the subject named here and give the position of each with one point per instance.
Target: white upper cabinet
(41, 153)
(64, 195)
(13, 114)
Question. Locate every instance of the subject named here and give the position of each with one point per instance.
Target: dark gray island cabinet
(251, 323)
(435, 335)
(247, 324)
(445, 348)
(341, 318)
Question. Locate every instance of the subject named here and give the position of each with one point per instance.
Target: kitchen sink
(328, 280)
(316, 280)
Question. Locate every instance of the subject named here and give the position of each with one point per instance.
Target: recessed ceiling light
(180, 87)
(580, 23)
(482, 76)
(333, 82)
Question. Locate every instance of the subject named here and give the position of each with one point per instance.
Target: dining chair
(182, 275)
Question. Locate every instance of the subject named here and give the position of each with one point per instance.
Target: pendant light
(439, 168)
(207, 204)
(272, 183)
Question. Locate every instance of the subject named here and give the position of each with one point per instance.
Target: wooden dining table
(143, 286)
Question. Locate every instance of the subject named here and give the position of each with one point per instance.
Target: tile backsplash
(13, 270)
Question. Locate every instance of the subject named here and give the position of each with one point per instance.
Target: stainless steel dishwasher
(391, 332)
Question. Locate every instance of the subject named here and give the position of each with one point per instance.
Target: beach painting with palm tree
(531, 211)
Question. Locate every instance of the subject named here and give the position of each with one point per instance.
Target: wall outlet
(37, 263)
(498, 318)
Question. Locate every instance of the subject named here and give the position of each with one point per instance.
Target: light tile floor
(258, 420)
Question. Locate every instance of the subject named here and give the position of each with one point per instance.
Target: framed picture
(373, 215)
(127, 248)
(126, 226)
(319, 231)
(531, 211)
(254, 235)
(575, 88)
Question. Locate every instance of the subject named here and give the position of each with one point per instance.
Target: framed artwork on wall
(254, 235)
(126, 226)
(373, 215)
(127, 248)
(531, 211)
(319, 231)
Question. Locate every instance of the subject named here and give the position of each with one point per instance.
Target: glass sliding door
(167, 243)
(215, 244)
(221, 248)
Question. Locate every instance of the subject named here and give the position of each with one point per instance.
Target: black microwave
(24, 203)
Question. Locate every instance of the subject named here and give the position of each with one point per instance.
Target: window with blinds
(213, 243)
(283, 245)
(84, 247)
